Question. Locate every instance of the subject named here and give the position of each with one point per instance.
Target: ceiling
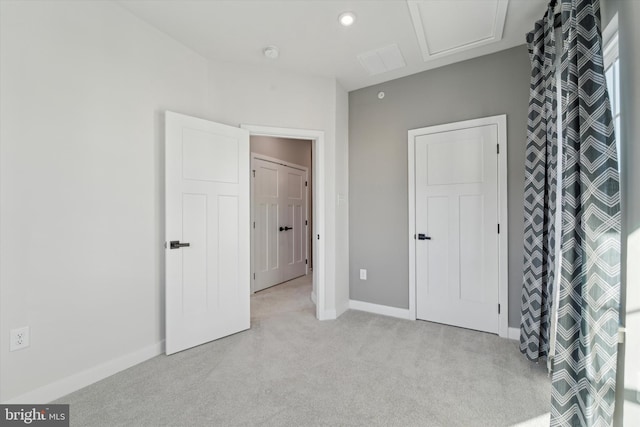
(427, 33)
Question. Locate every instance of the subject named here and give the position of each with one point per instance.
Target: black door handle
(286, 228)
(175, 244)
(423, 237)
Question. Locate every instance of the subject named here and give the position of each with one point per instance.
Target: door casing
(503, 297)
(319, 291)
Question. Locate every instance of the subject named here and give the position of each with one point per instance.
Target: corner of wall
(342, 199)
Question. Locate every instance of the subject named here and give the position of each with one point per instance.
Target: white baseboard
(514, 334)
(401, 313)
(87, 377)
(324, 314)
(328, 315)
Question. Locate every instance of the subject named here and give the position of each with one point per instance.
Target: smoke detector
(271, 52)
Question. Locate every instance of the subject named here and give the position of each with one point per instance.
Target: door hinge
(306, 261)
(498, 308)
(306, 222)
(254, 276)
(254, 173)
(318, 237)
(498, 148)
(254, 224)
(498, 228)
(306, 183)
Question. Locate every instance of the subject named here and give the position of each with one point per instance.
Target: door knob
(423, 237)
(175, 244)
(286, 228)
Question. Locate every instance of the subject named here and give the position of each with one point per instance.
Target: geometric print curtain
(540, 192)
(584, 373)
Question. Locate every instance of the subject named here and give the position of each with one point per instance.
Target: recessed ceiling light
(271, 52)
(346, 19)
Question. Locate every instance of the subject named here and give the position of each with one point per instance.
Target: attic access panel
(444, 27)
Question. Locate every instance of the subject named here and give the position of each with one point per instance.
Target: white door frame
(503, 252)
(319, 194)
(258, 156)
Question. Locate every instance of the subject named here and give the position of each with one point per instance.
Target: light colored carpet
(291, 370)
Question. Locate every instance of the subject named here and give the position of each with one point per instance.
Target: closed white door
(207, 231)
(295, 219)
(267, 217)
(456, 223)
(280, 223)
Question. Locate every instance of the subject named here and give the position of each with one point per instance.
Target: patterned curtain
(540, 192)
(584, 377)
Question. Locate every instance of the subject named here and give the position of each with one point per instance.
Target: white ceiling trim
(421, 29)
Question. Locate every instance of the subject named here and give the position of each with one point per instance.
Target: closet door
(279, 223)
(456, 214)
(295, 193)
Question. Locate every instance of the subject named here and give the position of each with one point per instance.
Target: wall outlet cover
(19, 338)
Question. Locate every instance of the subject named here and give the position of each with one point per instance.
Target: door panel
(207, 206)
(471, 247)
(194, 260)
(457, 206)
(209, 156)
(227, 262)
(297, 237)
(267, 218)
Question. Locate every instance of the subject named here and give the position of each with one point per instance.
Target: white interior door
(207, 208)
(295, 192)
(267, 213)
(280, 218)
(456, 221)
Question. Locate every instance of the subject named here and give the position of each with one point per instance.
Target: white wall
(83, 87)
(81, 180)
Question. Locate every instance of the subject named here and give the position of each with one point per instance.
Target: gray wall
(290, 150)
(378, 217)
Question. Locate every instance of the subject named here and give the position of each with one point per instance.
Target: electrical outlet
(363, 274)
(19, 338)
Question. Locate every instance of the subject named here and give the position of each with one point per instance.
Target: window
(612, 74)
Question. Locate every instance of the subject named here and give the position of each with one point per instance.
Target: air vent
(382, 60)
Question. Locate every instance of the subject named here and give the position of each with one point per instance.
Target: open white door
(207, 231)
